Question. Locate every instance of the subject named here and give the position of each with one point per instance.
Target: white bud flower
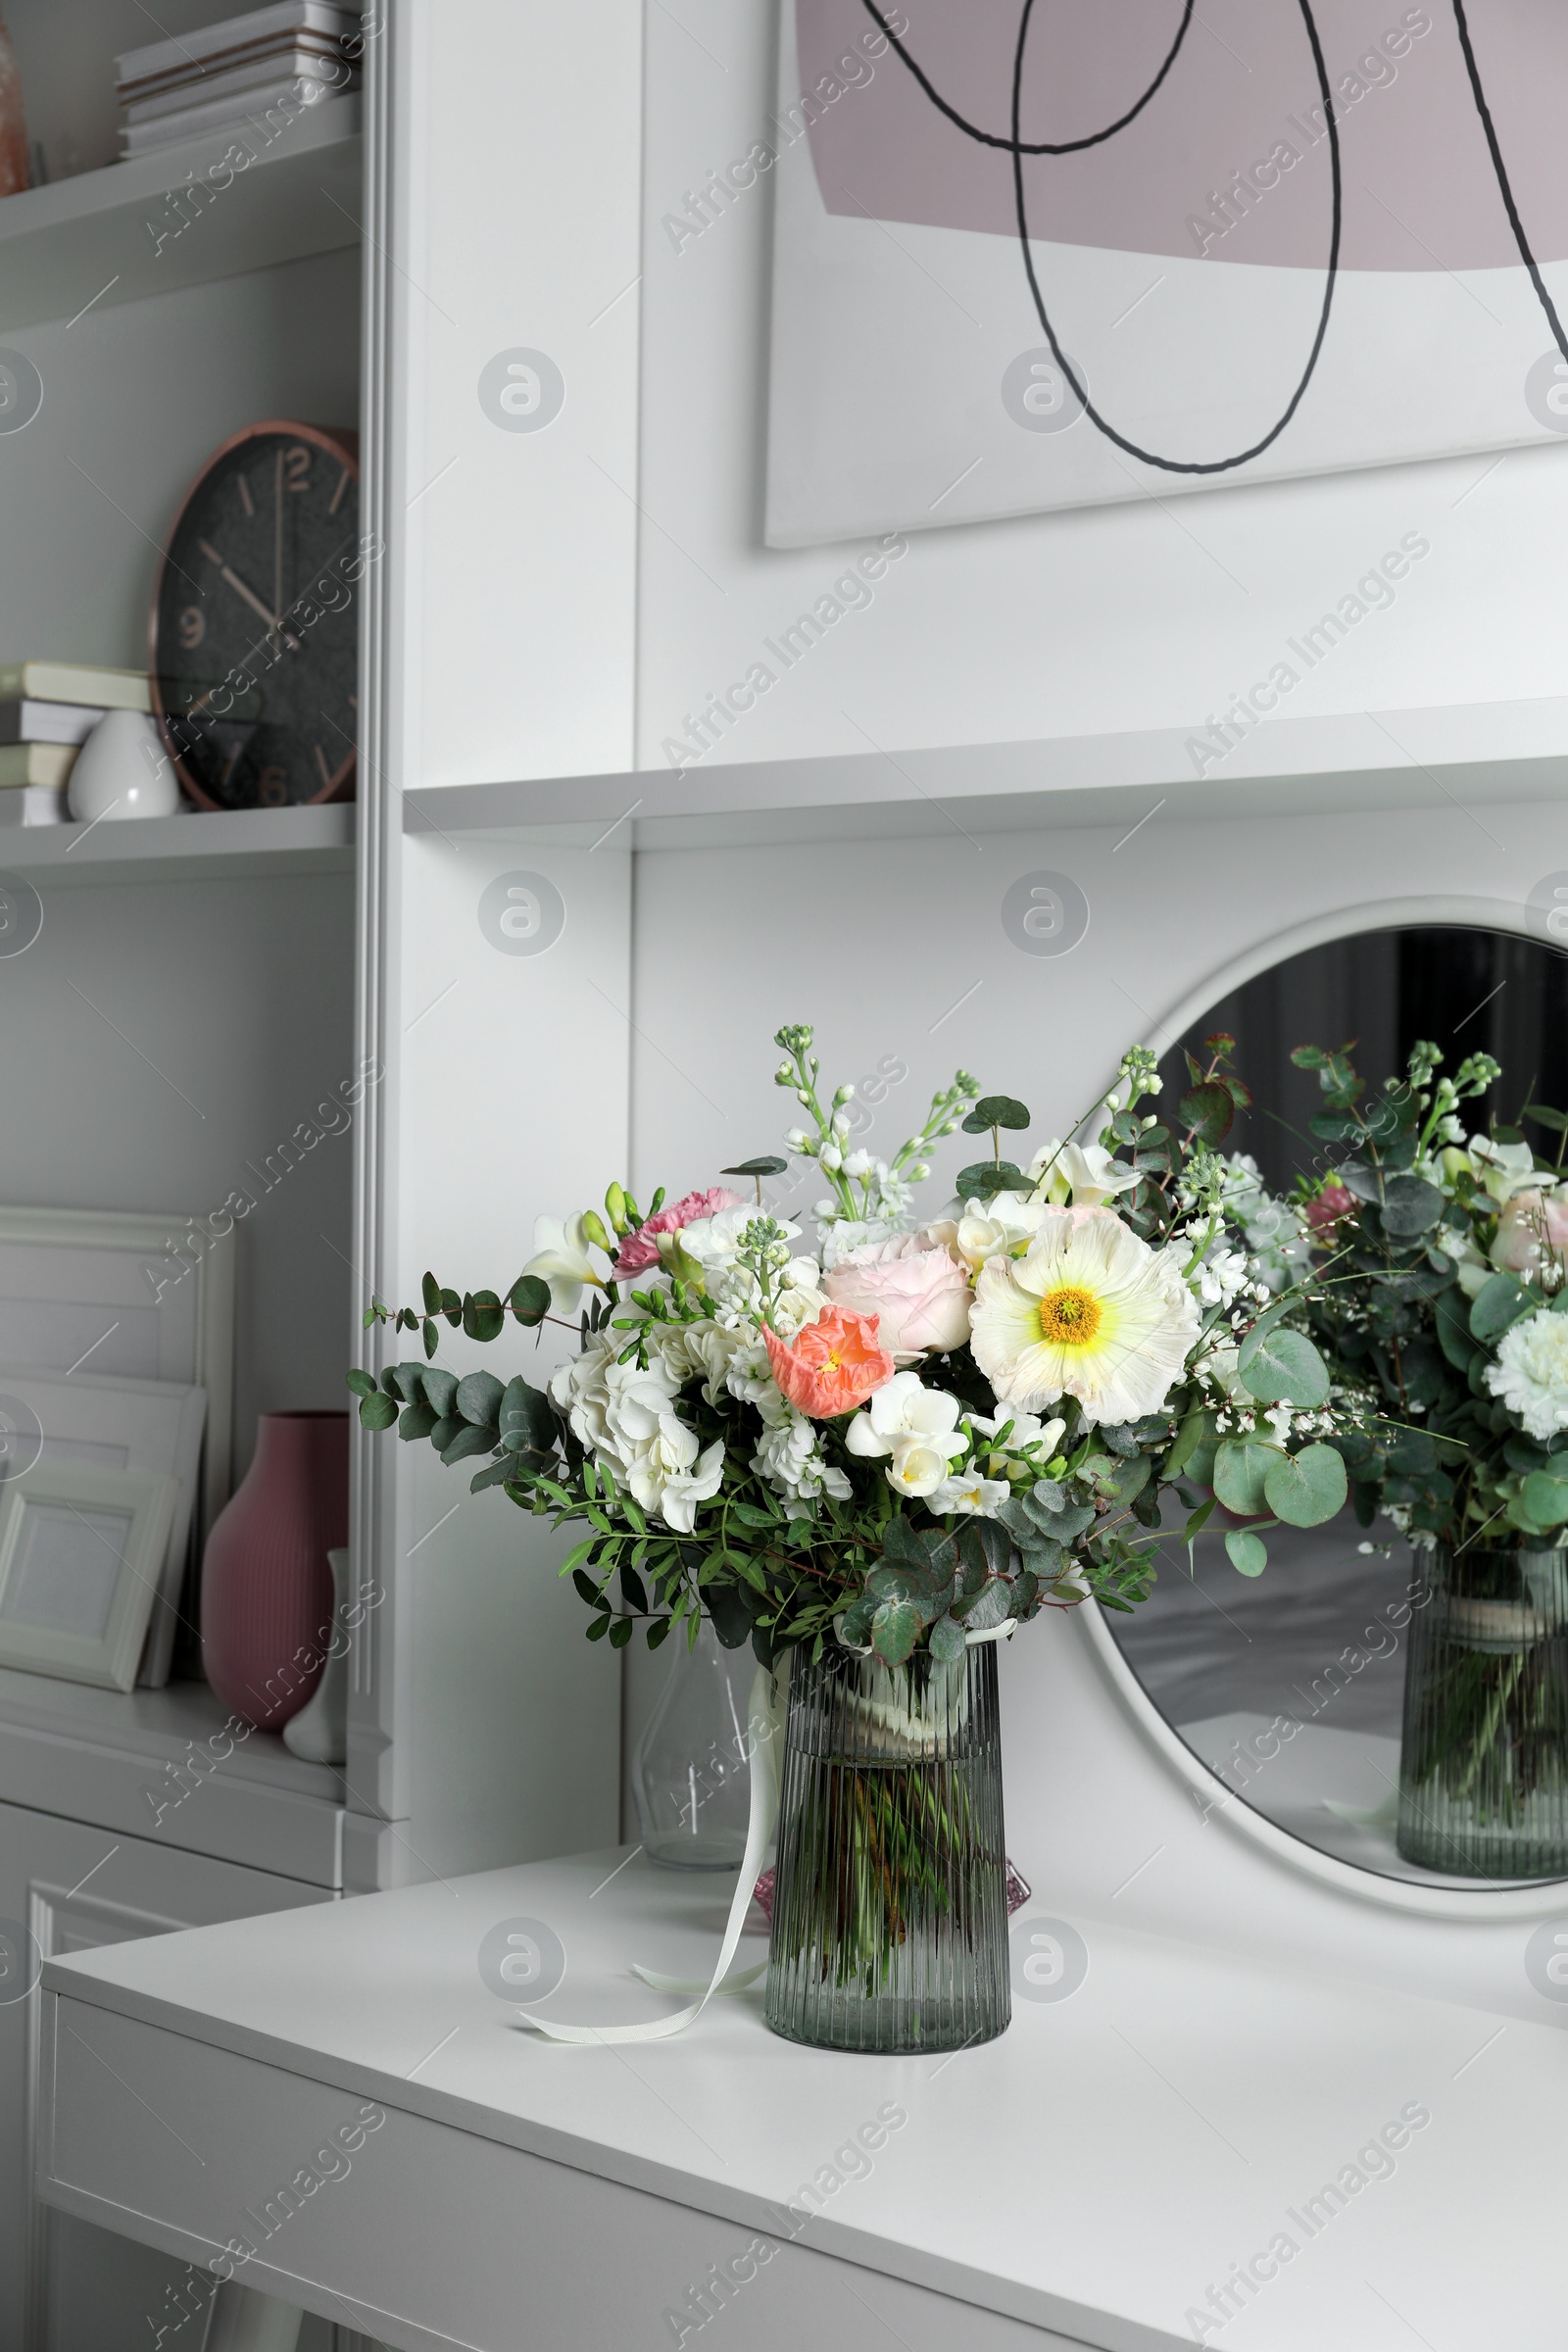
(831, 1158)
(798, 1140)
(844, 1094)
(840, 1122)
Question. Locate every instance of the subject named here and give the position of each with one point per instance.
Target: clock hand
(274, 620)
(277, 533)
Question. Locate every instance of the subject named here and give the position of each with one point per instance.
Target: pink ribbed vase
(266, 1588)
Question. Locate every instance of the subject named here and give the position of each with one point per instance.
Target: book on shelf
(48, 763)
(214, 48)
(34, 805)
(223, 114)
(75, 682)
(249, 85)
(25, 722)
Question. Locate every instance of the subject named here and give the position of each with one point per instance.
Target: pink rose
(1516, 1247)
(640, 1251)
(919, 1295)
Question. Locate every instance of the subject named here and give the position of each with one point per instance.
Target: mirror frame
(1500, 1906)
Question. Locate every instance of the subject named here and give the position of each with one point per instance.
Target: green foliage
(995, 1110)
(1306, 1488)
(1248, 1551)
(1281, 1366)
(988, 1176)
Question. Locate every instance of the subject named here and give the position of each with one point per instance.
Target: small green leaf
(441, 1389)
(479, 1399)
(1208, 1110)
(621, 1633)
(988, 1176)
(1554, 1119)
(769, 1166)
(587, 1588)
(1283, 1367)
(1307, 1487)
(1498, 1305)
(1410, 1206)
(946, 1638)
(895, 1630)
(364, 1383)
(1546, 1498)
(484, 1317)
(600, 1626)
(430, 1292)
(377, 1411)
(1241, 1468)
(418, 1421)
(1452, 1315)
(732, 1620)
(1248, 1552)
(470, 1440)
(995, 1110)
(529, 1300)
(1186, 1443)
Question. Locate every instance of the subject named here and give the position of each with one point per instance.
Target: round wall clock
(255, 622)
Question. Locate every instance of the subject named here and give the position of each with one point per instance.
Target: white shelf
(93, 240)
(215, 844)
(1475, 754)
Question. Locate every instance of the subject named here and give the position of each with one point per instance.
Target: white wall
(1148, 616)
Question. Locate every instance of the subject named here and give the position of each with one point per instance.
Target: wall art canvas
(1186, 263)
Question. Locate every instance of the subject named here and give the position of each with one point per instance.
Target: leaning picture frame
(82, 1552)
(154, 1425)
(126, 1295)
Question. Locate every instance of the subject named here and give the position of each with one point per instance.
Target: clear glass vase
(691, 1771)
(1484, 1761)
(890, 1914)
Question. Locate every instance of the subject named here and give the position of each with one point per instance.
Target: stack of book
(259, 69)
(47, 711)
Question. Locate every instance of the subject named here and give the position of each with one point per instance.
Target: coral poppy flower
(834, 1365)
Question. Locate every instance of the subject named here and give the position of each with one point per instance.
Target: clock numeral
(298, 463)
(271, 788)
(192, 626)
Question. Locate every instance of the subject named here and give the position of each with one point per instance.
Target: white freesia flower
(995, 1226)
(1084, 1174)
(1091, 1312)
(1027, 1429)
(1502, 1169)
(1531, 1373)
(560, 1258)
(917, 1426)
(969, 1495)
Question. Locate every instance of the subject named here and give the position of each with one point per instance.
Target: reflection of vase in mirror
(1484, 1763)
(15, 172)
(691, 1774)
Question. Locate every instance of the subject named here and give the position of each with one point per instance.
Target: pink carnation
(640, 1249)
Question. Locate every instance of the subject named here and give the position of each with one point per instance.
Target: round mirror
(1358, 1657)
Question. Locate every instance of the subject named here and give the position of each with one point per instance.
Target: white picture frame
(126, 1295)
(81, 1554)
(153, 1426)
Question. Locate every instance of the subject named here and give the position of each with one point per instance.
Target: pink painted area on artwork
(1203, 169)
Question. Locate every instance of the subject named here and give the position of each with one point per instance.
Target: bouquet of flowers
(1443, 1304)
(917, 1434)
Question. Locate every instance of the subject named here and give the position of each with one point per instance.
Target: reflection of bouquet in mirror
(1443, 1303)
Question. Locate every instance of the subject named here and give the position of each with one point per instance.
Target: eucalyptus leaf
(1546, 1498)
(1410, 1206)
(1283, 1367)
(441, 1389)
(1307, 1487)
(364, 1383)
(946, 1640)
(988, 1176)
(478, 1397)
(1248, 1552)
(770, 1166)
(378, 1411)
(1498, 1305)
(895, 1630)
(995, 1110)
(418, 1421)
(1241, 1468)
(484, 1317)
(529, 1300)
(1209, 1111)
(470, 1440)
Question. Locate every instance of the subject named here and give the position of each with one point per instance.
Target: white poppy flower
(1090, 1312)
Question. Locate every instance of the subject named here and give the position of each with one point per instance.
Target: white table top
(1098, 2170)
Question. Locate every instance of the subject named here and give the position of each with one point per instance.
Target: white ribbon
(765, 1722)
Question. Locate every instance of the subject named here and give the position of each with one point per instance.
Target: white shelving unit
(135, 230)
(212, 845)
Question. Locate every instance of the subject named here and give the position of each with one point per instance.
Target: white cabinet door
(65, 2287)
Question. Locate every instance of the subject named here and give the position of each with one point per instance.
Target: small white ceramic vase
(122, 770)
(319, 1733)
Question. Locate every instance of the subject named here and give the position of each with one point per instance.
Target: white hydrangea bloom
(1531, 1373)
(788, 1455)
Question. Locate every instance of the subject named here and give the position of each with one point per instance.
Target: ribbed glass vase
(1484, 1763)
(890, 1916)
